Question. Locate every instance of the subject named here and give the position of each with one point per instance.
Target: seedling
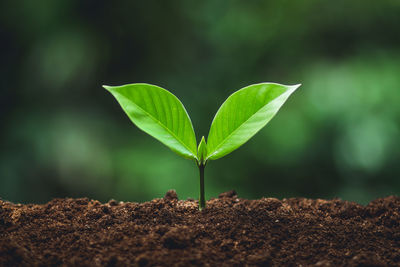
(160, 114)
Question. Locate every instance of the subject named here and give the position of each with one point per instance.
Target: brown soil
(229, 232)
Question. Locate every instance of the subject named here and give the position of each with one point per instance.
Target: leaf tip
(202, 150)
(107, 87)
(294, 87)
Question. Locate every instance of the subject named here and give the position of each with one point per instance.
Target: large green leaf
(158, 113)
(243, 114)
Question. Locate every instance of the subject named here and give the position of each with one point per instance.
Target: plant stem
(202, 201)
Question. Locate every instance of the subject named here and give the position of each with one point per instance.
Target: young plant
(160, 114)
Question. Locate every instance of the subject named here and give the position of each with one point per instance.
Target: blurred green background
(63, 135)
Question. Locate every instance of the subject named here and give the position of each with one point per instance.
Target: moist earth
(230, 232)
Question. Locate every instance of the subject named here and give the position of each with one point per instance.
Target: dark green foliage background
(64, 135)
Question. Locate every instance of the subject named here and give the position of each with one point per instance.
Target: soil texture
(229, 232)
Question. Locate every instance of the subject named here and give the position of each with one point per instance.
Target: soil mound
(229, 232)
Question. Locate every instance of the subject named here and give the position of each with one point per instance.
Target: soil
(229, 232)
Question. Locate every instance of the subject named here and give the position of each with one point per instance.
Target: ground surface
(229, 232)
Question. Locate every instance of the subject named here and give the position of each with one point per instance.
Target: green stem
(202, 201)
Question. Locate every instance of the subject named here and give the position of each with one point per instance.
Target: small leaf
(158, 113)
(243, 114)
(202, 151)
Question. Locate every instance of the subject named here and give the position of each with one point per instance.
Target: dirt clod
(171, 195)
(231, 193)
(229, 232)
(112, 202)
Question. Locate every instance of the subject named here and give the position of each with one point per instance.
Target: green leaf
(243, 114)
(158, 113)
(202, 151)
